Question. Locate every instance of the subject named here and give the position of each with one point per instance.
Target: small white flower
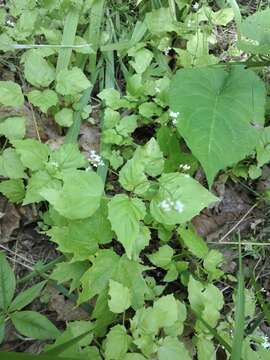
(167, 51)
(178, 206)
(263, 290)
(265, 343)
(174, 122)
(184, 167)
(157, 89)
(189, 23)
(174, 115)
(10, 23)
(196, 6)
(95, 159)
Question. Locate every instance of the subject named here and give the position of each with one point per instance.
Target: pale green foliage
(117, 343)
(43, 99)
(68, 201)
(13, 127)
(33, 153)
(64, 117)
(120, 298)
(10, 94)
(172, 348)
(38, 71)
(125, 215)
(13, 189)
(228, 105)
(178, 187)
(71, 82)
(11, 165)
(7, 283)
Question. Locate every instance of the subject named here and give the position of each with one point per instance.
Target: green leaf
(68, 156)
(97, 277)
(127, 125)
(71, 82)
(37, 71)
(79, 197)
(117, 343)
(142, 60)
(13, 128)
(134, 356)
(179, 199)
(111, 98)
(43, 99)
(255, 33)
(7, 283)
(141, 242)
(11, 94)
(173, 349)
(66, 271)
(34, 325)
(33, 154)
(64, 117)
(120, 298)
(212, 260)
(11, 165)
(206, 300)
(26, 297)
(222, 17)
(228, 105)
(195, 243)
(129, 273)
(38, 180)
(160, 21)
(163, 257)
(125, 215)
(13, 189)
(205, 349)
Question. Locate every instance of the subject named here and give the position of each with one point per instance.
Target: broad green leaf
(120, 298)
(7, 283)
(67, 271)
(195, 243)
(125, 214)
(127, 125)
(38, 180)
(222, 16)
(205, 349)
(111, 118)
(11, 165)
(26, 297)
(73, 330)
(229, 106)
(206, 300)
(43, 99)
(64, 117)
(68, 156)
(129, 274)
(97, 277)
(179, 199)
(160, 21)
(142, 59)
(134, 356)
(173, 349)
(152, 158)
(13, 128)
(111, 97)
(117, 343)
(34, 325)
(141, 242)
(11, 94)
(33, 154)
(212, 260)
(162, 257)
(71, 82)
(79, 197)
(38, 71)
(149, 109)
(13, 189)
(255, 33)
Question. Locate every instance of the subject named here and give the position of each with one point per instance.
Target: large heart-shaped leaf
(220, 112)
(255, 31)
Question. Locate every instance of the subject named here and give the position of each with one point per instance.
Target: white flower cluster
(184, 167)
(266, 343)
(95, 159)
(168, 205)
(196, 6)
(167, 51)
(174, 116)
(157, 89)
(10, 23)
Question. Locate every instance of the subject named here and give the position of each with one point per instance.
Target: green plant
(128, 243)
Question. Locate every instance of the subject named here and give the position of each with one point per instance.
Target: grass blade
(238, 336)
(68, 38)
